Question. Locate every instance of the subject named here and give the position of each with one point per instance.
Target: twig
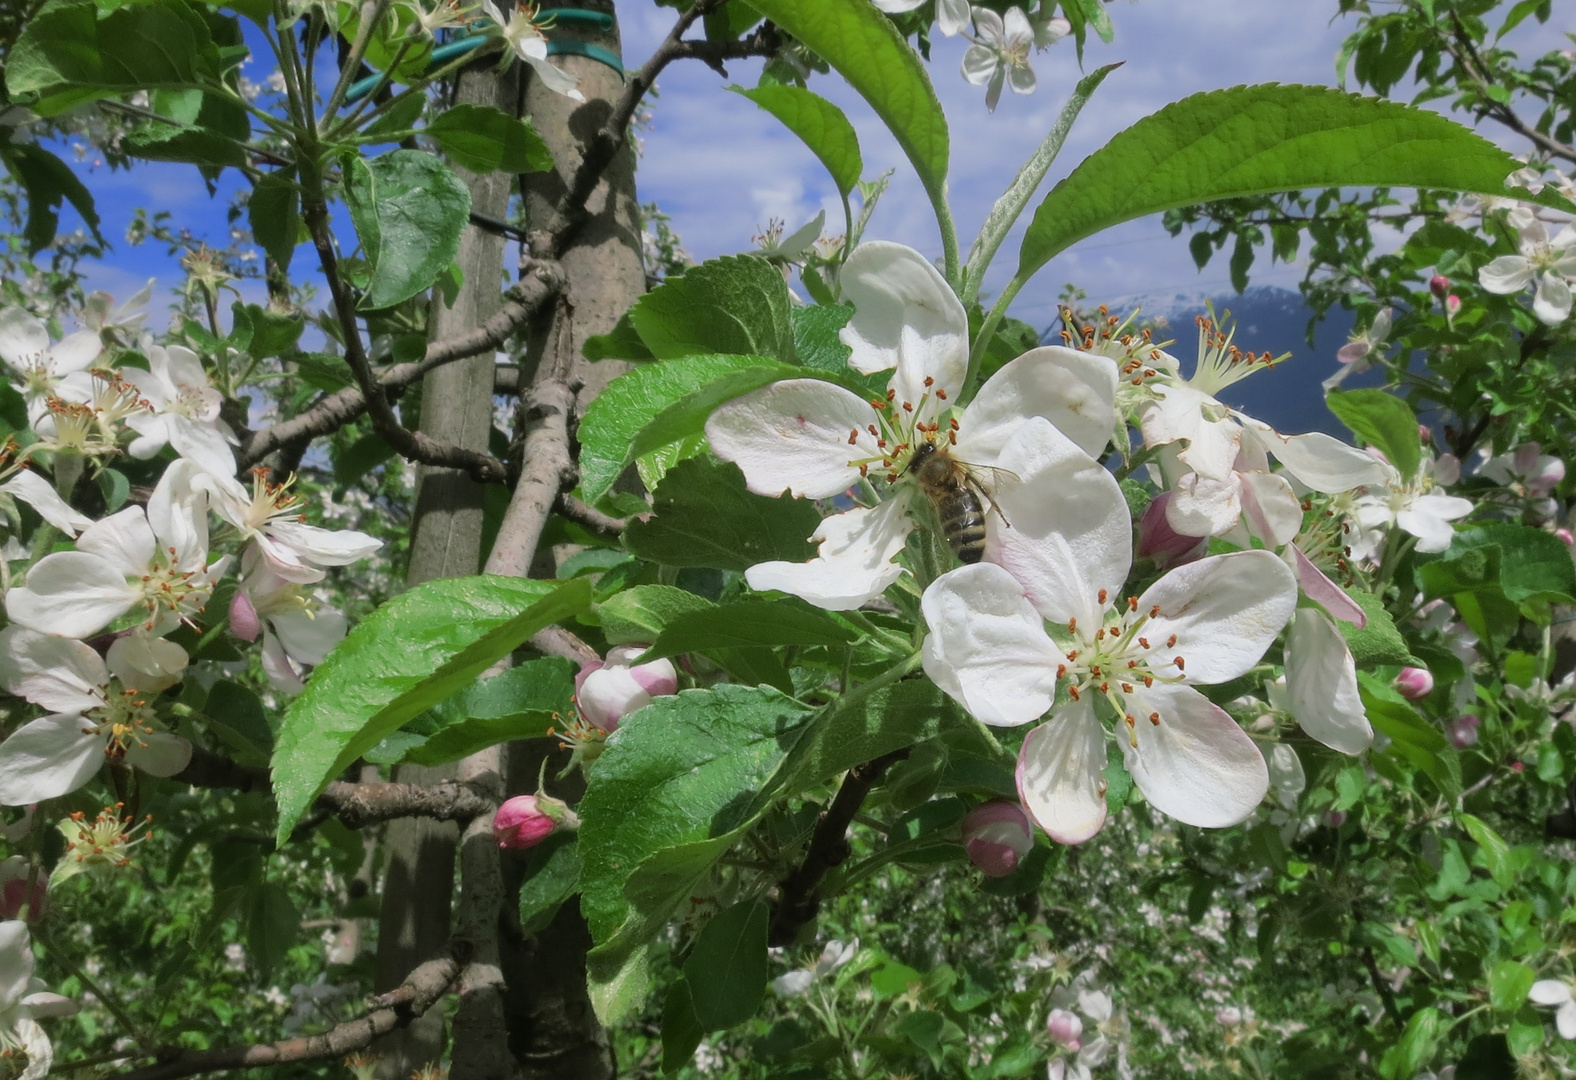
(556, 641)
(592, 518)
(421, 990)
(1459, 44)
(797, 899)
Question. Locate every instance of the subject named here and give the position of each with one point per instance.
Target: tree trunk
(446, 539)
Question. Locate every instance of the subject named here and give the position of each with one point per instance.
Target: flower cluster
(1042, 626)
(89, 639)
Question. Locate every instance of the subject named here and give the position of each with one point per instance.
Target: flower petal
(145, 663)
(59, 674)
(48, 758)
(1549, 992)
(1320, 462)
(1200, 506)
(1068, 533)
(1224, 612)
(1076, 391)
(324, 547)
(159, 754)
(1506, 274)
(1433, 533)
(988, 648)
(1565, 1020)
(854, 564)
(1196, 765)
(23, 337)
(1552, 302)
(793, 436)
(1177, 414)
(906, 317)
(1060, 774)
(1324, 592)
(70, 594)
(309, 636)
(1321, 682)
(1272, 509)
(980, 64)
(553, 77)
(40, 495)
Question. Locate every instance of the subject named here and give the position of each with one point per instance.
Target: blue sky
(721, 168)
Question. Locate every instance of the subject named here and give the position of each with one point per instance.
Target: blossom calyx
(526, 820)
(997, 836)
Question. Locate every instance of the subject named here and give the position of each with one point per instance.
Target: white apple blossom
(44, 368)
(835, 955)
(1062, 565)
(816, 439)
(526, 40)
(22, 483)
(1556, 994)
(1526, 470)
(182, 410)
(1548, 261)
(952, 16)
(1358, 354)
(999, 54)
(154, 560)
(1411, 503)
(117, 324)
(100, 709)
(24, 1001)
(297, 627)
(270, 516)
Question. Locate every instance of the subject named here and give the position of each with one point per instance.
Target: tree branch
(592, 518)
(797, 898)
(422, 989)
(1460, 46)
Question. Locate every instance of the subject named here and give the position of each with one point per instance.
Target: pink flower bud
(1566, 537)
(1517, 766)
(1463, 731)
(1335, 818)
(1228, 1016)
(244, 620)
(526, 820)
(1439, 285)
(1452, 306)
(1159, 540)
(607, 691)
(14, 893)
(996, 836)
(1415, 683)
(1425, 434)
(1065, 1028)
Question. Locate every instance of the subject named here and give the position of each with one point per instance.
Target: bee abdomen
(963, 523)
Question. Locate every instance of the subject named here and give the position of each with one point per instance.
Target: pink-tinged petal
(854, 563)
(1320, 462)
(48, 758)
(70, 594)
(1195, 765)
(1506, 274)
(906, 319)
(55, 673)
(1061, 780)
(1200, 506)
(159, 754)
(996, 836)
(1353, 351)
(794, 436)
(1076, 391)
(659, 678)
(23, 337)
(76, 352)
(1065, 532)
(244, 620)
(1324, 592)
(988, 648)
(123, 540)
(1321, 683)
(1224, 612)
(1158, 540)
(40, 495)
(610, 694)
(1272, 509)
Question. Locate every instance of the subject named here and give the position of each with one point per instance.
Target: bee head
(922, 454)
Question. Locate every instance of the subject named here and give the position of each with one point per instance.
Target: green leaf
(1383, 420)
(408, 208)
(867, 50)
(1533, 564)
(551, 876)
(1379, 642)
(484, 139)
(48, 182)
(819, 124)
(640, 614)
(1419, 1041)
(272, 926)
(1495, 852)
(239, 720)
(146, 46)
(816, 340)
(681, 1029)
(749, 623)
(738, 304)
(726, 970)
(274, 212)
(413, 652)
(525, 702)
(1252, 140)
(705, 517)
(658, 404)
(619, 343)
(1413, 738)
(1508, 985)
(1004, 215)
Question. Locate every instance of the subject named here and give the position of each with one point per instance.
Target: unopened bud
(607, 691)
(1159, 540)
(1439, 285)
(1415, 683)
(1425, 434)
(1335, 818)
(1463, 731)
(1065, 1028)
(526, 820)
(1452, 306)
(1566, 537)
(996, 836)
(14, 893)
(244, 621)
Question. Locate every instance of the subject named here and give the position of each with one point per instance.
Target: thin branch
(556, 641)
(592, 518)
(797, 897)
(411, 445)
(1460, 46)
(420, 991)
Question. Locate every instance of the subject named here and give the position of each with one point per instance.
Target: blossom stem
(987, 331)
(371, 14)
(949, 243)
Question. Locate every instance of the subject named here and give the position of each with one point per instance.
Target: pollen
(1132, 603)
(1073, 690)
(1154, 718)
(1143, 642)
(1180, 665)
(1171, 642)
(853, 437)
(1103, 594)
(941, 395)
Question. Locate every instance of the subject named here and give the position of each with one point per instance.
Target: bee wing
(989, 474)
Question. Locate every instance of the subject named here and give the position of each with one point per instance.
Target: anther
(1154, 718)
(1127, 688)
(1180, 665)
(1171, 642)
(1061, 671)
(853, 437)
(1149, 680)
(1132, 603)
(941, 395)
(929, 382)
(1143, 642)
(1073, 690)
(1072, 625)
(1103, 595)
(908, 407)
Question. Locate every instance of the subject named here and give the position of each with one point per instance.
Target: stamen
(1073, 690)
(1103, 595)
(1180, 665)
(1154, 718)
(1132, 603)
(1171, 642)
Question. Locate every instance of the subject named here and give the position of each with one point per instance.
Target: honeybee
(960, 497)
